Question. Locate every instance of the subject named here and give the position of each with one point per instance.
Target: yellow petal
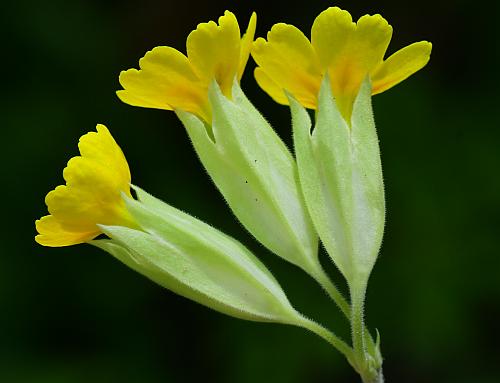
(214, 51)
(53, 235)
(246, 44)
(101, 147)
(337, 39)
(87, 202)
(372, 37)
(92, 195)
(270, 87)
(349, 51)
(288, 58)
(330, 33)
(400, 66)
(166, 80)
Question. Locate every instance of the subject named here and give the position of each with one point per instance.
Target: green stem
(329, 336)
(333, 292)
(326, 283)
(357, 322)
(366, 358)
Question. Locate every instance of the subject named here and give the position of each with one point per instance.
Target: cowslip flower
(170, 80)
(92, 195)
(344, 50)
(338, 156)
(168, 246)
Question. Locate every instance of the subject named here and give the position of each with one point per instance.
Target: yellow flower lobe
(345, 50)
(92, 195)
(288, 60)
(168, 79)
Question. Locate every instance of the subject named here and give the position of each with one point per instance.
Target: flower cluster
(331, 189)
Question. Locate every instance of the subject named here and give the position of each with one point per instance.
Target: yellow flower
(95, 181)
(170, 80)
(347, 51)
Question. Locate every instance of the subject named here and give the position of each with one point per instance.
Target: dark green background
(77, 315)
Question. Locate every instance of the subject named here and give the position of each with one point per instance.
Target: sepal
(256, 174)
(193, 259)
(341, 178)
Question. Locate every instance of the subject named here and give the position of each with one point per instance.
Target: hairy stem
(329, 336)
(357, 322)
(332, 291)
(324, 280)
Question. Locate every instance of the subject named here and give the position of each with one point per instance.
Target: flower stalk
(333, 292)
(330, 337)
(358, 327)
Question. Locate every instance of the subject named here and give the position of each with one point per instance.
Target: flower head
(95, 181)
(170, 80)
(344, 50)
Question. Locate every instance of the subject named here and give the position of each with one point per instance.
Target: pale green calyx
(256, 174)
(341, 178)
(197, 261)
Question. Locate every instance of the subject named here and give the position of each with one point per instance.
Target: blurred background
(77, 315)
